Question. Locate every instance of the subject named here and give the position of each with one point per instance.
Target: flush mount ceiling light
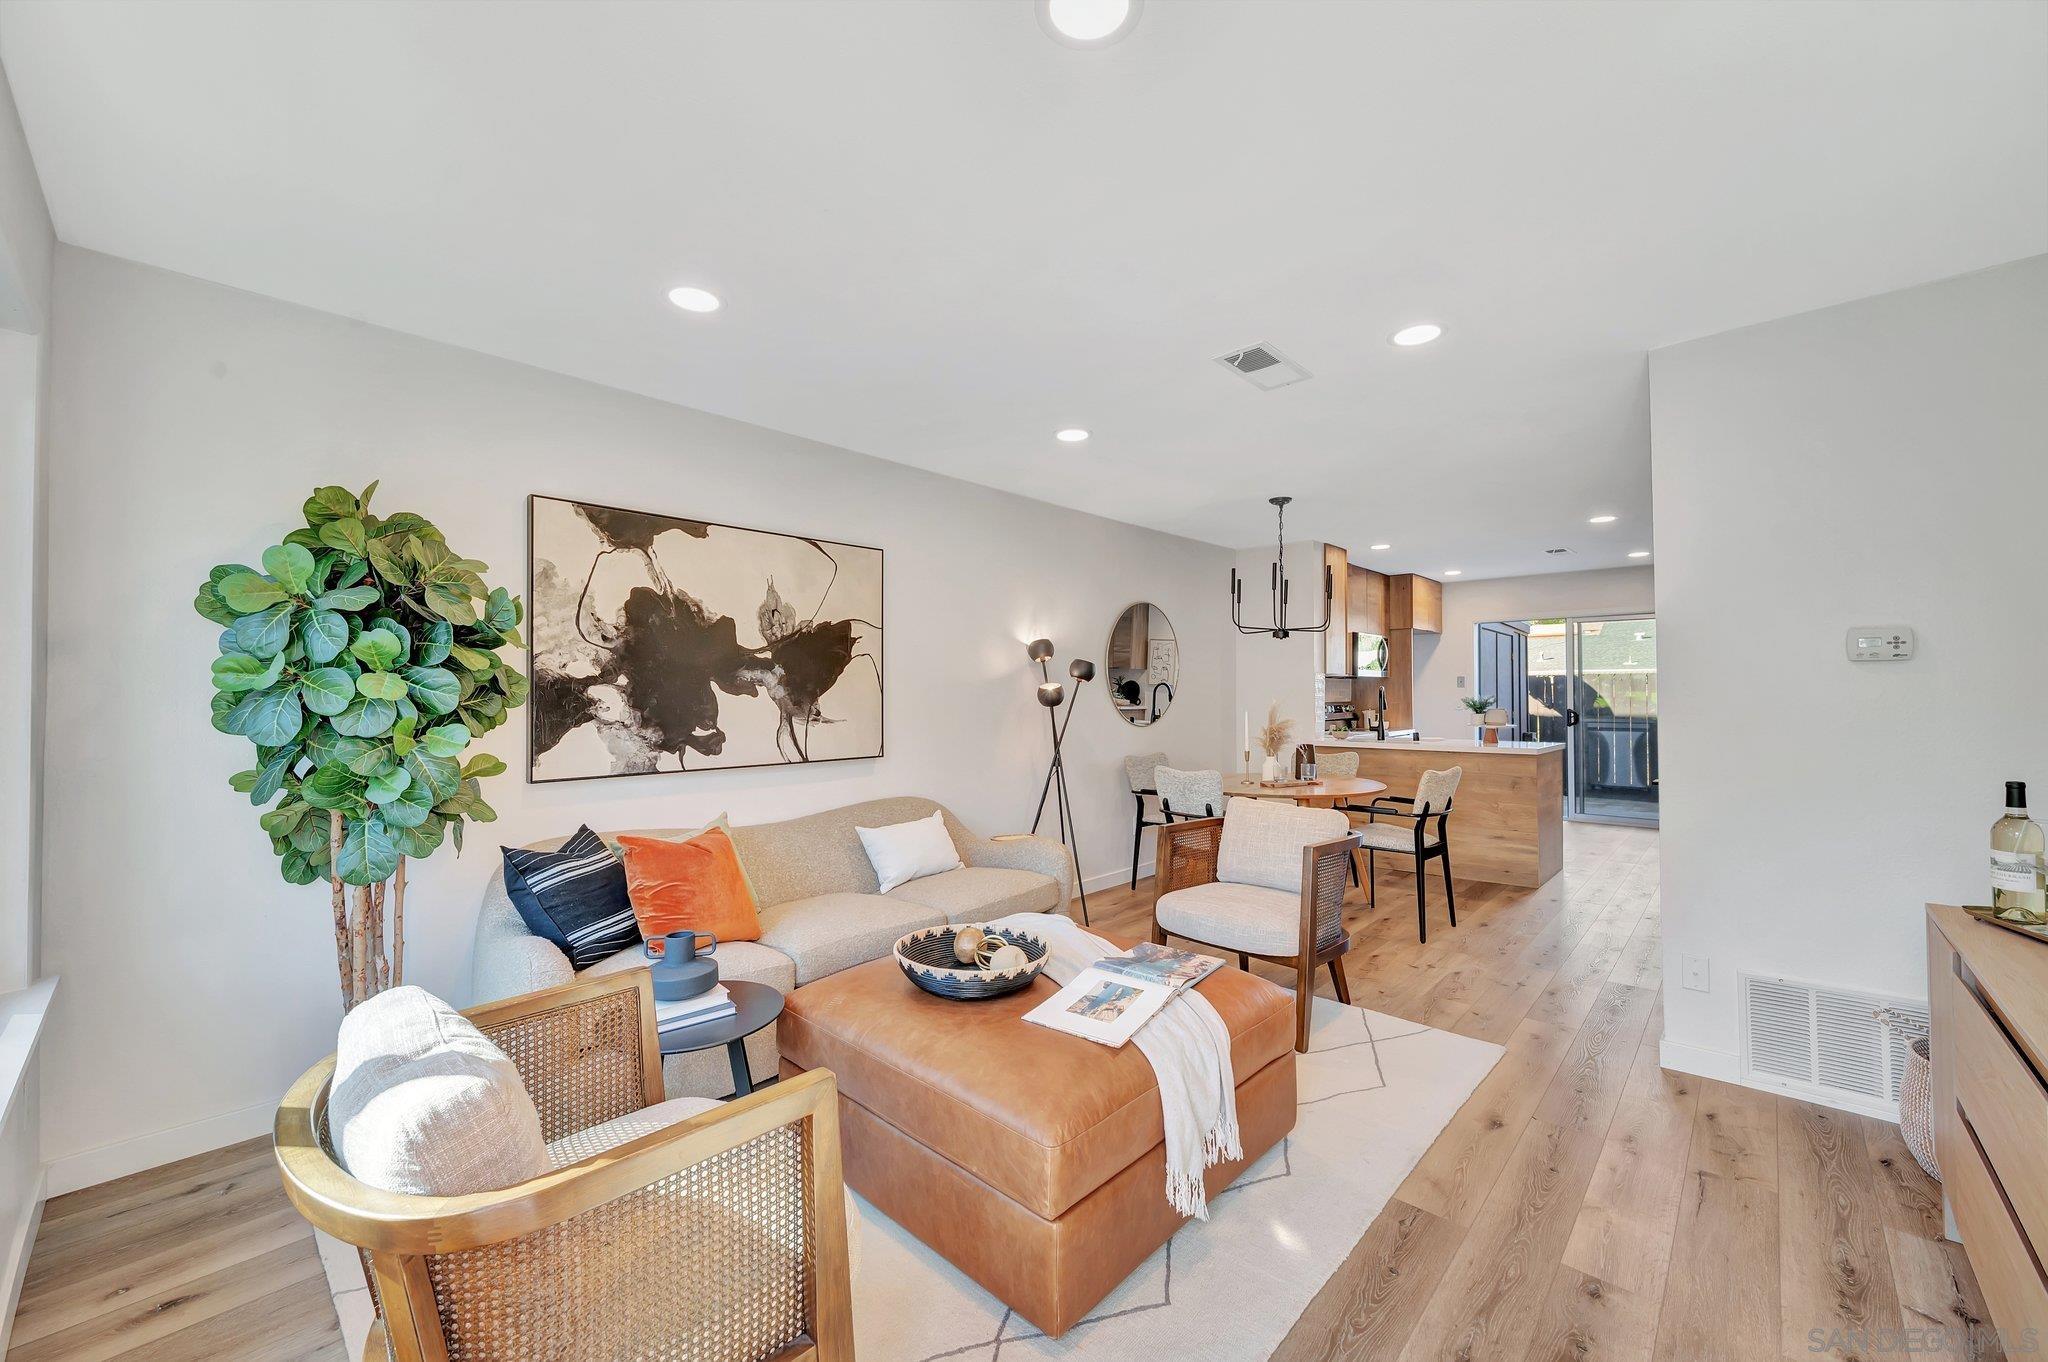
(1454, 572)
(1421, 334)
(1072, 435)
(1600, 520)
(1087, 23)
(1640, 553)
(694, 299)
(1381, 548)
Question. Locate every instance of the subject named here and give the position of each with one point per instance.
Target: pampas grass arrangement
(1276, 734)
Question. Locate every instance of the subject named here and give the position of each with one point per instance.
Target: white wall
(26, 244)
(189, 421)
(1884, 461)
(1441, 659)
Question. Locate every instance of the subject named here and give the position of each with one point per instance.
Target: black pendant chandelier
(1279, 628)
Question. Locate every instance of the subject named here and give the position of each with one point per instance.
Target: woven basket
(926, 956)
(1916, 1108)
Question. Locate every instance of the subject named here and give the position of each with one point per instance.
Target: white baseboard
(1700, 1061)
(15, 1264)
(1113, 879)
(1725, 1066)
(91, 1167)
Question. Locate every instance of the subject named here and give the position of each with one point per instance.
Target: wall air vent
(1837, 1046)
(1264, 367)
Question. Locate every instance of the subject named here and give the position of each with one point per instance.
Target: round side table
(758, 1004)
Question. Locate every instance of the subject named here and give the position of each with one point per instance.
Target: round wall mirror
(1144, 664)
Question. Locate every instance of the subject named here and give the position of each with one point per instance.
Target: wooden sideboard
(1987, 992)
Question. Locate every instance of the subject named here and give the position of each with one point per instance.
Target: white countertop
(1520, 749)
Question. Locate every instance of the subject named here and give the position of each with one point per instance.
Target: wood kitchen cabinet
(1367, 601)
(1336, 640)
(1415, 602)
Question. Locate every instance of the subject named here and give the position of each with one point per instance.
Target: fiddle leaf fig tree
(360, 659)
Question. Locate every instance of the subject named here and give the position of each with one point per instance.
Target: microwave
(1368, 655)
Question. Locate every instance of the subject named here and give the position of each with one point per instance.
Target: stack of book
(1112, 998)
(715, 1004)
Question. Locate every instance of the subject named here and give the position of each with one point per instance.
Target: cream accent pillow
(903, 852)
(423, 1103)
(1262, 841)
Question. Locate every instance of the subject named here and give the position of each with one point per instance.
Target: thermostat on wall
(1880, 643)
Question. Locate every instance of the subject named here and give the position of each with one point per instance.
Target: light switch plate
(1696, 973)
(1879, 643)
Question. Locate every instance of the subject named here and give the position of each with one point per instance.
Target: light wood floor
(1585, 1205)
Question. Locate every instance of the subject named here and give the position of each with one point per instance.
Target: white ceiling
(941, 236)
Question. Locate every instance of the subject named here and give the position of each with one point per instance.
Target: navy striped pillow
(575, 897)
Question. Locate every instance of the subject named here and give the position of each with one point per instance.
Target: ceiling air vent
(1838, 1046)
(1555, 552)
(1264, 367)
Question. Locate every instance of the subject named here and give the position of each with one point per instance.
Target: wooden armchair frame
(1187, 857)
(412, 1246)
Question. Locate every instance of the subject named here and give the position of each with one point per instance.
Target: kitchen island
(1507, 821)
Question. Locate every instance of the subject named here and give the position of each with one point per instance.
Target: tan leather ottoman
(1032, 1161)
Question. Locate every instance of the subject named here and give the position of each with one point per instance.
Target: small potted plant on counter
(1478, 704)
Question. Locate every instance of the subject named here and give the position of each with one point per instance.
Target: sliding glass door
(1613, 722)
(1590, 684)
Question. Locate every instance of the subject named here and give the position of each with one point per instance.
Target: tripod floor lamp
(1052, 695)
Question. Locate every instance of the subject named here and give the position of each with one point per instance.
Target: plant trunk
(340, 894)
(398, 925)
(359, 964)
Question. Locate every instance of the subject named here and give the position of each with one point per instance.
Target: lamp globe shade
(1039, 649)
(1051, 693)
(1081, 669)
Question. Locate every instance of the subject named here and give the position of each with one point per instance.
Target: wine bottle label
(2018, 871)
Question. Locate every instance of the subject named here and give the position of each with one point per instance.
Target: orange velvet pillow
(695, 885)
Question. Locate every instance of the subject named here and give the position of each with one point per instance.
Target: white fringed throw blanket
(1189, 1050)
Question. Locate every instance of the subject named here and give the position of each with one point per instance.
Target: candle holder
(1053, 695)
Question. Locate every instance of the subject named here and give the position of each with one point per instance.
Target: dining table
(1326, 793)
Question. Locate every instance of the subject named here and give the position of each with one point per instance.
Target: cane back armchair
(1303, 931)
(720, 1237)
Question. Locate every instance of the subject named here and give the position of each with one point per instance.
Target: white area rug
(1374, 1092)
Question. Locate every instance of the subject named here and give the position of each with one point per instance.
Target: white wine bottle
(2016, 846)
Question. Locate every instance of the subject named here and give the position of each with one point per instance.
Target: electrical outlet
(1696, 973)
(1461, 683)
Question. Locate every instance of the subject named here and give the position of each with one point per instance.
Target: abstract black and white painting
(665, 644)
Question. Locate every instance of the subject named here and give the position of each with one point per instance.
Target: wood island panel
(1507, 822)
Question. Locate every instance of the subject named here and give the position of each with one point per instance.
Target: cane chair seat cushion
(422, 1102)
(1391, 836)
(1236, 917)
(581, 1144)
(1262, 844)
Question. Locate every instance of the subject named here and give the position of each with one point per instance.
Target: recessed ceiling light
(1454, 572)
(1072, 435)
(1640, 553)
(1088, 23)
(1417, 335)
(694, 299)
(1601, 520)
(1381, 548)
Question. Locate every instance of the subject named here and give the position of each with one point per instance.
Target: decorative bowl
(926, 956)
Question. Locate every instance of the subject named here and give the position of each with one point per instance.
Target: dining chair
(1188, 794)
(1138, 770)
(1433, 794)
(1265, 881)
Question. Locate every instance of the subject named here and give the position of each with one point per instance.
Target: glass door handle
(1571, 718)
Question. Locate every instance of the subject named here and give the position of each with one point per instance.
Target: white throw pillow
(903, 852)
(1262, 841)
(422, 1102)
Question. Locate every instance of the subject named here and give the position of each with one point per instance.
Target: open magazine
(1112, 998)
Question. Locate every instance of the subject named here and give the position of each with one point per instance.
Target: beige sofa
(819, 914)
